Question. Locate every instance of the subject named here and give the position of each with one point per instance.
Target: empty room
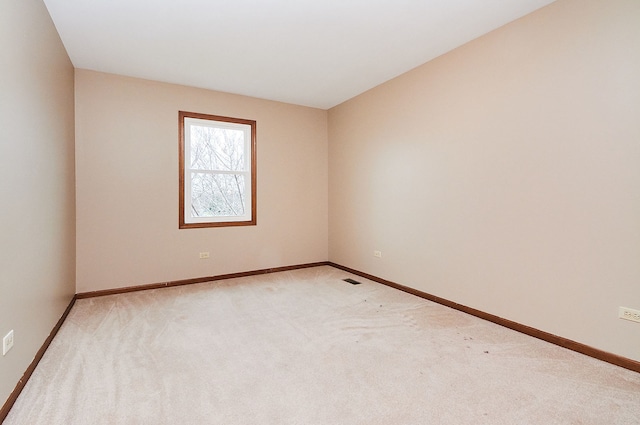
(357, 212)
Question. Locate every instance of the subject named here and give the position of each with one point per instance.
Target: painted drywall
(37, 246)
(505, 175)
(127, 185)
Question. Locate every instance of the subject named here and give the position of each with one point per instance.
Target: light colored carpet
(304, 347)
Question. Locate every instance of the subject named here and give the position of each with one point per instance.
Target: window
(217, 171)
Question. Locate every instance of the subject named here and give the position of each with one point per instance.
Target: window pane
(217, 195)
(219, 149)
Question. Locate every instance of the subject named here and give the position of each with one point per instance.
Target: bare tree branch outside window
(217, 190)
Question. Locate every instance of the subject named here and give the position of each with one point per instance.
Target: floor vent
(351, 281)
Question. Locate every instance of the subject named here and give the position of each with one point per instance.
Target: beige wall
(37, 245)
(127, 185)
(505, 175)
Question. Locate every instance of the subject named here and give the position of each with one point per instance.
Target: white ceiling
(308, 52)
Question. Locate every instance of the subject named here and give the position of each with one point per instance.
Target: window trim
(181, 166)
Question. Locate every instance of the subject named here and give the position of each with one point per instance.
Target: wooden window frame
(183, 224)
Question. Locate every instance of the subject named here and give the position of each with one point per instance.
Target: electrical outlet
(7, 342)
(377, 254)
(204, 255)
(629, 314)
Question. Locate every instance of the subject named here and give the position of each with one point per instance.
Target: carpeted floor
(304, 347)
